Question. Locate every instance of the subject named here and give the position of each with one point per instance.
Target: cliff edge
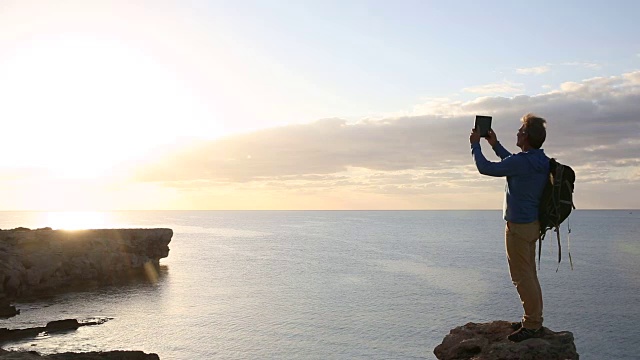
(43, 261)
(488, 341)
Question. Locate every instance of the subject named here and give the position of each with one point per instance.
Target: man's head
(532, 133)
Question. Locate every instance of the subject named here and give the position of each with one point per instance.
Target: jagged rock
(488, 341)
(6, 309)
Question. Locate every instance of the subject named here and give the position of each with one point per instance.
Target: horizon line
(141, 210)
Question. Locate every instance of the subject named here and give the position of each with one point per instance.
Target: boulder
(488, 341)
(6, 309)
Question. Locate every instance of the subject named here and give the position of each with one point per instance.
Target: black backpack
(556, 204)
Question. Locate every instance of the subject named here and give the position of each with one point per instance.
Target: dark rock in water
(6, 309)
(61, 325)
(488, 341)
(107, 355)
(52, 327)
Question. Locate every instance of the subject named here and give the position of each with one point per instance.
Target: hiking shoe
(516, 325)
(524, 334)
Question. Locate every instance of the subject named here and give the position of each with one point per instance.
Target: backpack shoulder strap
(542, 235)
(557, 230)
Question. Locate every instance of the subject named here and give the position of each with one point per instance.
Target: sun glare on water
(75, 220)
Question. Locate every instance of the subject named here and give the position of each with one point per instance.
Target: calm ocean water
(343, 285)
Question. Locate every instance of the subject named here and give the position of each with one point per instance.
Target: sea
(341, 284)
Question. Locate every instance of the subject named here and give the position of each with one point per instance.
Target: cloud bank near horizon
(417, 160)
(593, 125)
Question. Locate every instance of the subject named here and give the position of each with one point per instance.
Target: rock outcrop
(488, 341)
(7, 335)
(107, 355)
(6, 309)
(35, 262)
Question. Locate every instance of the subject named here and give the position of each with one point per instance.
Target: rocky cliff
(488, 341)
(34, 262)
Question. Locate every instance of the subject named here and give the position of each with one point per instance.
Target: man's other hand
(492, 138)
(474, 138)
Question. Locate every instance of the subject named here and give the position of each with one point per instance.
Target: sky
(159, 105)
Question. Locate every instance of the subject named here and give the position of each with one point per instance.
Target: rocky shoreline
(41, 262)
(7, 335)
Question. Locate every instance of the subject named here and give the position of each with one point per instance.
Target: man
(526, 174)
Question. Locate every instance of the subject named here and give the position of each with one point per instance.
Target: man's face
(522, 135)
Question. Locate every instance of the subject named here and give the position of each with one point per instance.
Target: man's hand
(474, 138)
(492, 138)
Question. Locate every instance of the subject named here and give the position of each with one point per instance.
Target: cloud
(324, 147)
(504, 87)
(537, 70)
(587, 65)
(593, 125)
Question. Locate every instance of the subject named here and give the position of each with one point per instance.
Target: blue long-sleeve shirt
(526, 173)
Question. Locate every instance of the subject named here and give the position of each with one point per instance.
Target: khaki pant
(520, 242)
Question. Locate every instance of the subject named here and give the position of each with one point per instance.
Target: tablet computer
(482, 125)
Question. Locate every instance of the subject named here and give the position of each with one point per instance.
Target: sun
(91, 103)
(75, 220)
